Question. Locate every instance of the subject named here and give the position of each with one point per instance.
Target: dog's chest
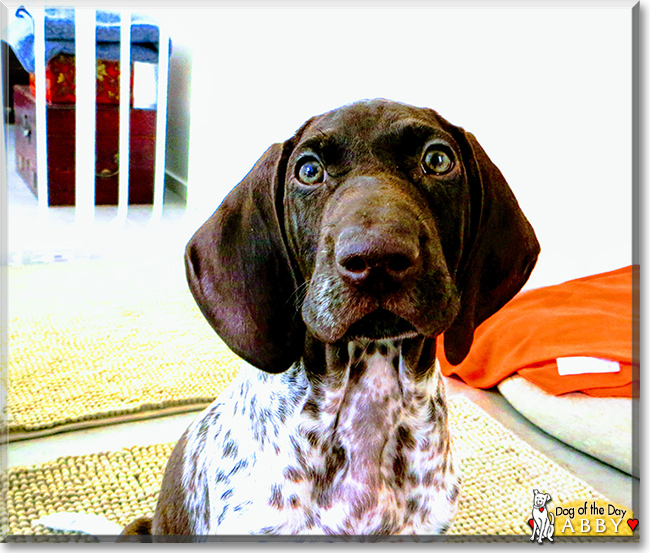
(280, 456)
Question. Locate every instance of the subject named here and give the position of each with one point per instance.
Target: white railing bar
(41, 111)
(125, 112)
(161, 124)
(194, 202)
(86, 75)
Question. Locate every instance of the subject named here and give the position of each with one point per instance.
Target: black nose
(365, 257)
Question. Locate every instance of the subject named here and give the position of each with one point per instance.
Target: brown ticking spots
(412, 478)
(399, 469)
(313, 438)
(311, 408)
(364, 504)
(294, 474)
(412, 505)
(387, 524)
(276, 499)
(405, 438)
(427, 479)
(453, 494)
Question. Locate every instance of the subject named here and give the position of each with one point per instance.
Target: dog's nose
(375, 256)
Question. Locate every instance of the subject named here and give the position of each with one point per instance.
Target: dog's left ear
(500, 256)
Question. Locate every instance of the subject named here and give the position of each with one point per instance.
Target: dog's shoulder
(171, 516)
(216, 464)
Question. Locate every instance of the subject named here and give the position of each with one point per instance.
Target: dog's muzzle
(380, 271)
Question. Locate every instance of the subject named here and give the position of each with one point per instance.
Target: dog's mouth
(380, 324)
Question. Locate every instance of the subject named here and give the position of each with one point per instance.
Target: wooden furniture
(61, 150)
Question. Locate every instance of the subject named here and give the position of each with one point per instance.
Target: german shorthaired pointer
(331, 268)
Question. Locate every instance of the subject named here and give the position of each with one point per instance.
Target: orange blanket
(591, 316)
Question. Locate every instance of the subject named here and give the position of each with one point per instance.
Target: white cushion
(599, 426)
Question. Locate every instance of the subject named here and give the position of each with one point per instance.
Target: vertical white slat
(161, 124)
(125, 114)
(86, 75)
(196, 148)
(41, 111)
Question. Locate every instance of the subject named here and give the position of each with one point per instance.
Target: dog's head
(375, 220)
(540, 499)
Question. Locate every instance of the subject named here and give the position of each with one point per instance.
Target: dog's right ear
(239, 271)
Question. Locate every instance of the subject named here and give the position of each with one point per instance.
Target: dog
(542, 524)
(330, 269)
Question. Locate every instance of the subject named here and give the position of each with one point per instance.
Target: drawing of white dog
(542, 524)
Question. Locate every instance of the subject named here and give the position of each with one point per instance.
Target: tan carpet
(499, 472)
(95, 342)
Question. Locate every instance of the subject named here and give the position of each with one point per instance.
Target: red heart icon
(633, 522)
(541, 509)
(530, 521)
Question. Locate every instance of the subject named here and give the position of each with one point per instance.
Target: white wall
(178, 112)
(546, 91)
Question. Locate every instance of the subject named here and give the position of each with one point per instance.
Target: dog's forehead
(366, 120)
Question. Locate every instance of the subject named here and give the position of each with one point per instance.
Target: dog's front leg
(542, 531)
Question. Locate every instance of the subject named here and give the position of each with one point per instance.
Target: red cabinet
(61, 150)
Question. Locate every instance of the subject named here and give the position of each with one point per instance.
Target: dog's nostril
(398, 263)
(354, 264)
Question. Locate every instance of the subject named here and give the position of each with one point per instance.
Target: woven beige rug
(499, 473)
(92, 343)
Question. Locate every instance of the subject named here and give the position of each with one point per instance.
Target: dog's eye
(436, 161)
(310, 171)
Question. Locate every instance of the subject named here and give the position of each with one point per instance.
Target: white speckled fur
(253, 491)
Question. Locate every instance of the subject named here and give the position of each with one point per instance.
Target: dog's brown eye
(437, 161)
(310, 171)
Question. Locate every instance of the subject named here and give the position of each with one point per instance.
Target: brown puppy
(335, 263)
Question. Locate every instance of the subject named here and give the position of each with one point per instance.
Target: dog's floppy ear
(240, 273)
(500, 257)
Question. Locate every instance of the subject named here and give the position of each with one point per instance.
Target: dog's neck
(360, 423)
(357, 444)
